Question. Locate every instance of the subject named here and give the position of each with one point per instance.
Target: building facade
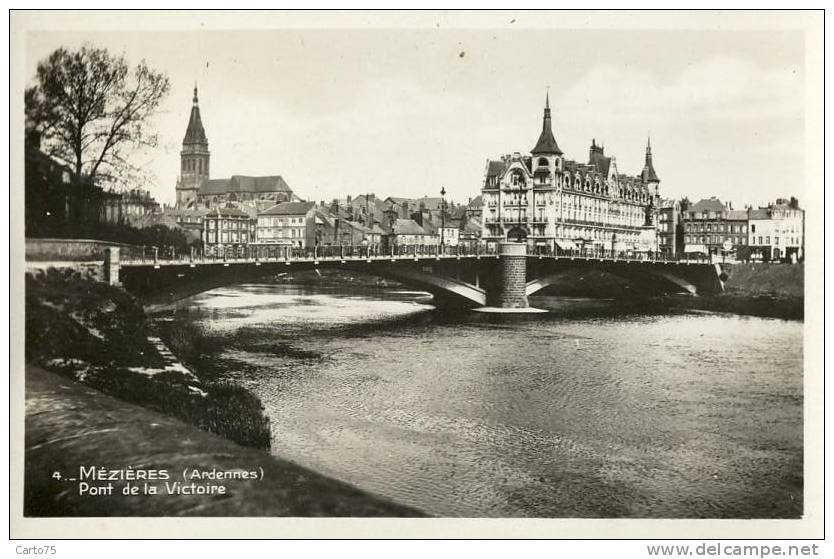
(407, 233)
(227, 232)
(668, 222)
(290, 224)
(777, 232)
(709, 224)
(129, 207)
(548, 201)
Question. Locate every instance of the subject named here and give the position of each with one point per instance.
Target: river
(591, 410)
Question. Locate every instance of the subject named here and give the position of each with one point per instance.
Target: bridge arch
(169, 283)
(633, 273)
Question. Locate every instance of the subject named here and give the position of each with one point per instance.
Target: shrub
(92, 332)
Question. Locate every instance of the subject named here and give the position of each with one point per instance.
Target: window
(752, 227)
(767, 240)
(776, 240)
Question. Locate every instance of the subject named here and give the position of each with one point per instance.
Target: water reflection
(597, 409)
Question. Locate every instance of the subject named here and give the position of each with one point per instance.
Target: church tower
(194, 158)
(649, 175)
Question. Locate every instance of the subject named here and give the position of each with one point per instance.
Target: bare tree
(91, 111)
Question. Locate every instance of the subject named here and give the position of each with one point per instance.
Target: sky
(404, 112)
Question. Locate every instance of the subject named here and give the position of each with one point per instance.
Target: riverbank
(98, 335)
(758, 289)
(69, 426)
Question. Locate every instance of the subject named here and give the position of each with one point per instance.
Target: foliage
(226, 409)
(156, 235)
(70, 316)
(90, 110)
(93, 333)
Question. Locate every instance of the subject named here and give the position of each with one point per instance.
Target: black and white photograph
(544, 267)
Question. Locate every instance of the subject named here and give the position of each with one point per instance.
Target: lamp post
(442, 216)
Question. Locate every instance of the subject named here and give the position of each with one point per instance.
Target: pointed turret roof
(195, 134)
(547, 143)
(649, 174)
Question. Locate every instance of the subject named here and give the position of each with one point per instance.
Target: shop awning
(696, 248)
(566, 245)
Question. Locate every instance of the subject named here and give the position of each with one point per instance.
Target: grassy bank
(769, 290)
(99, 335)
(765, 280)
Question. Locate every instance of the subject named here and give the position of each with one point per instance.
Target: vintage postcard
(534, 274)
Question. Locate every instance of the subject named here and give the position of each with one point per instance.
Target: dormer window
(517, 178)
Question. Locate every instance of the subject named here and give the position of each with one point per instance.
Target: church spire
(195, 133)
(547, 143)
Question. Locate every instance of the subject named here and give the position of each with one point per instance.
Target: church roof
(271, 183)
(547, 143)
(214, 186)
(195, 133)
(242, 183)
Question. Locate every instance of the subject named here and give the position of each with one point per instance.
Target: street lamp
(442, 216)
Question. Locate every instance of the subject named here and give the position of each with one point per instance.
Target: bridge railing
(256, 253)
(605, 254)
(261, 253)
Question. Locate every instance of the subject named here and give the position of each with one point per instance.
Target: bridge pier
(510, 288)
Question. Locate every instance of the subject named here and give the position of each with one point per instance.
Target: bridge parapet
(473, 275)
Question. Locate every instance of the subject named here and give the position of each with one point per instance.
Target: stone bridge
(504, 279)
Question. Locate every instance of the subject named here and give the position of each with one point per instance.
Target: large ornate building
(195, 188)
(554, 203)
